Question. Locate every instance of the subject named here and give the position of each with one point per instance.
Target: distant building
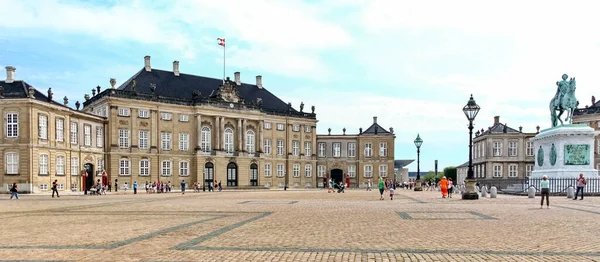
(400, 170)
(461, 173)
(502, 152)
(590, 115)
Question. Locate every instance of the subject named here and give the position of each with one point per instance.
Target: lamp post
(418, 143)
(470, 110)
(204, 181)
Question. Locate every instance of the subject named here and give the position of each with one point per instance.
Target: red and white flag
(221, 41)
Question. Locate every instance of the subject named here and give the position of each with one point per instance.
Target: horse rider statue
(564, 100)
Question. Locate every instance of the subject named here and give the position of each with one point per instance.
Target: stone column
(221, 130)
(244, 130)
(198, 130)
(216, 129)
(261, 141)
(239, 128)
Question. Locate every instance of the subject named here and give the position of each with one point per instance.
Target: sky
(413, 64)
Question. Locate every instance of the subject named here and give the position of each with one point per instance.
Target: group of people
(332, 186)
(545, 189)
(212, 186)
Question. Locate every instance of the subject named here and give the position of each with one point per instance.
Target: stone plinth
(564, 152)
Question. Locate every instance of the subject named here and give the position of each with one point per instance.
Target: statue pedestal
(564, 152)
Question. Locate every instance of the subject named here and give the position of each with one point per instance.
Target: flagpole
(223, 63)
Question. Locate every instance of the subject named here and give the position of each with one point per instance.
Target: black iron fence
(517, 185)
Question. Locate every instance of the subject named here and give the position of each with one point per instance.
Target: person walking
(369, 185)
(14, 192)
(54, 188)
(134, 187)
(381, 188)
(581, 182)
(444, 187)
(183, 187)
(450, 187)
(545, 185)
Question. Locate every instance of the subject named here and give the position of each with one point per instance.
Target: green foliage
(450, 172)
(428, 177)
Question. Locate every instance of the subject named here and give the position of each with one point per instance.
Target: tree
(429, 176)
(450, 172)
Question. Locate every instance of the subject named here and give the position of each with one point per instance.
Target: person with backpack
(581, 182)
(54, 188)
(14, 191)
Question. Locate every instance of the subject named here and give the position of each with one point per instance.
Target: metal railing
(517, 185)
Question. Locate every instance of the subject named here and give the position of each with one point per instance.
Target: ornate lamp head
(418, 141)
(471, 109)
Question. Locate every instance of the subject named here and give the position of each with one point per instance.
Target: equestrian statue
(564, 100)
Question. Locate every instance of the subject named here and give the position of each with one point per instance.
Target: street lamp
(470, 110)
(418, 143)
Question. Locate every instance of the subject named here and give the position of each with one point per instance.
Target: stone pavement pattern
(297, 226)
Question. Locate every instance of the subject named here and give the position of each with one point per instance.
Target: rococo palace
(168, 126)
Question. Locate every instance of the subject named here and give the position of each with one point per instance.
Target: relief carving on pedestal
(306, 136)
(123, 122)
(143, 124)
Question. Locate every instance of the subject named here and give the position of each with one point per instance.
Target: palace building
(168, 126)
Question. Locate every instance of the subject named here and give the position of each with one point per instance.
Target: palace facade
(168, 126)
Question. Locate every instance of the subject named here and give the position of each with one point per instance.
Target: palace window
(383, 170)
(352, 149)
(184, 118)
(60, 129)
(124, 111)
(512, 148)
(123, 138)
(383, 149)
(308, 170)
(12, 163)
(99, 136)
(267, 169)
(280, 127)
(205, 139)
(144, 137)
(12, 125)
(368, 171)
(43, 126)
(296, 128)
(143, 113)
(296, 170)
(321, 149)
(100, 165)
(497, 170)
(267, 125)
(228, 140)
(166, 168)
(267, 145)
(321, 170)
(74, 133)
(183, 168)
(497, 148)
(295, 147)
(144, 167)
(280, 170)
(165, 138)
(166, 116)
(368, 150)
(87, 135)
(352, 170)
(44, 164)
(250, 142)
(74, 166)
(124, 167)
(307, 148)
(280, 147)
(513, 170)
(184, 141)
(60, 165)
(337, 149)
(307, 129)
(528, 170)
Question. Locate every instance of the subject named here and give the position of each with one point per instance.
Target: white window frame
(497, 146)
(184, 118)
(205, 139)
(268, 169)
(296, 170)
(144, 139)
(166, 168)
(280, 147)
(308, 170)
(280, 127)
(43, 165)
(296, 128)
(12, 125)
(368, 150)
(280, 170)
(75, 166)
(267, 125)
(321, 170)
(295, 147)
(74, 134)
(368, 171)
(321, 149)
(250, 141)
(497, 170)
(166, 139)
(184, 168)
(383, 171)
(307, 148)
(124, 111)
(228, 140)
(60, 165)
(267, 146)
(166, 116)
(352, 170)
(60, 187)
(12, 163)
(42, 126)
(184, 142)
(307, 129)
(528, 170)
(143, 113)
(383, 149)
(124, 167)
(60, 129)
(513, 170)
(123, 138)
(351, 149)
(336, 149)
(483, 149)
(144, 167)
(512, 148)
(99, 136)
(87, 135)
(100, 165)
(43, 187)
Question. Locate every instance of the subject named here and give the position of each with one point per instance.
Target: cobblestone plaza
(307, 225)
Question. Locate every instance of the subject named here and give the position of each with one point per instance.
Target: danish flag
(221, 41)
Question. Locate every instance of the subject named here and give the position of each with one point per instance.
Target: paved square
(297, 226)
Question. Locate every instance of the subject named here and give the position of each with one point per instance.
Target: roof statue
(564, 100)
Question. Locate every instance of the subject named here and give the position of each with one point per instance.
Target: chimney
(374, 120)
(237, 78)
(496, 120)
(147, 63)
(259, 82)
(10, 74)
(175, 67)
(537, 128)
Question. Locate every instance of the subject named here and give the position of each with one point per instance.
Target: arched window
(209, 173)
(232, 177)
(250, 141)
(228, 140)
(205, 144)
(254, 174)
